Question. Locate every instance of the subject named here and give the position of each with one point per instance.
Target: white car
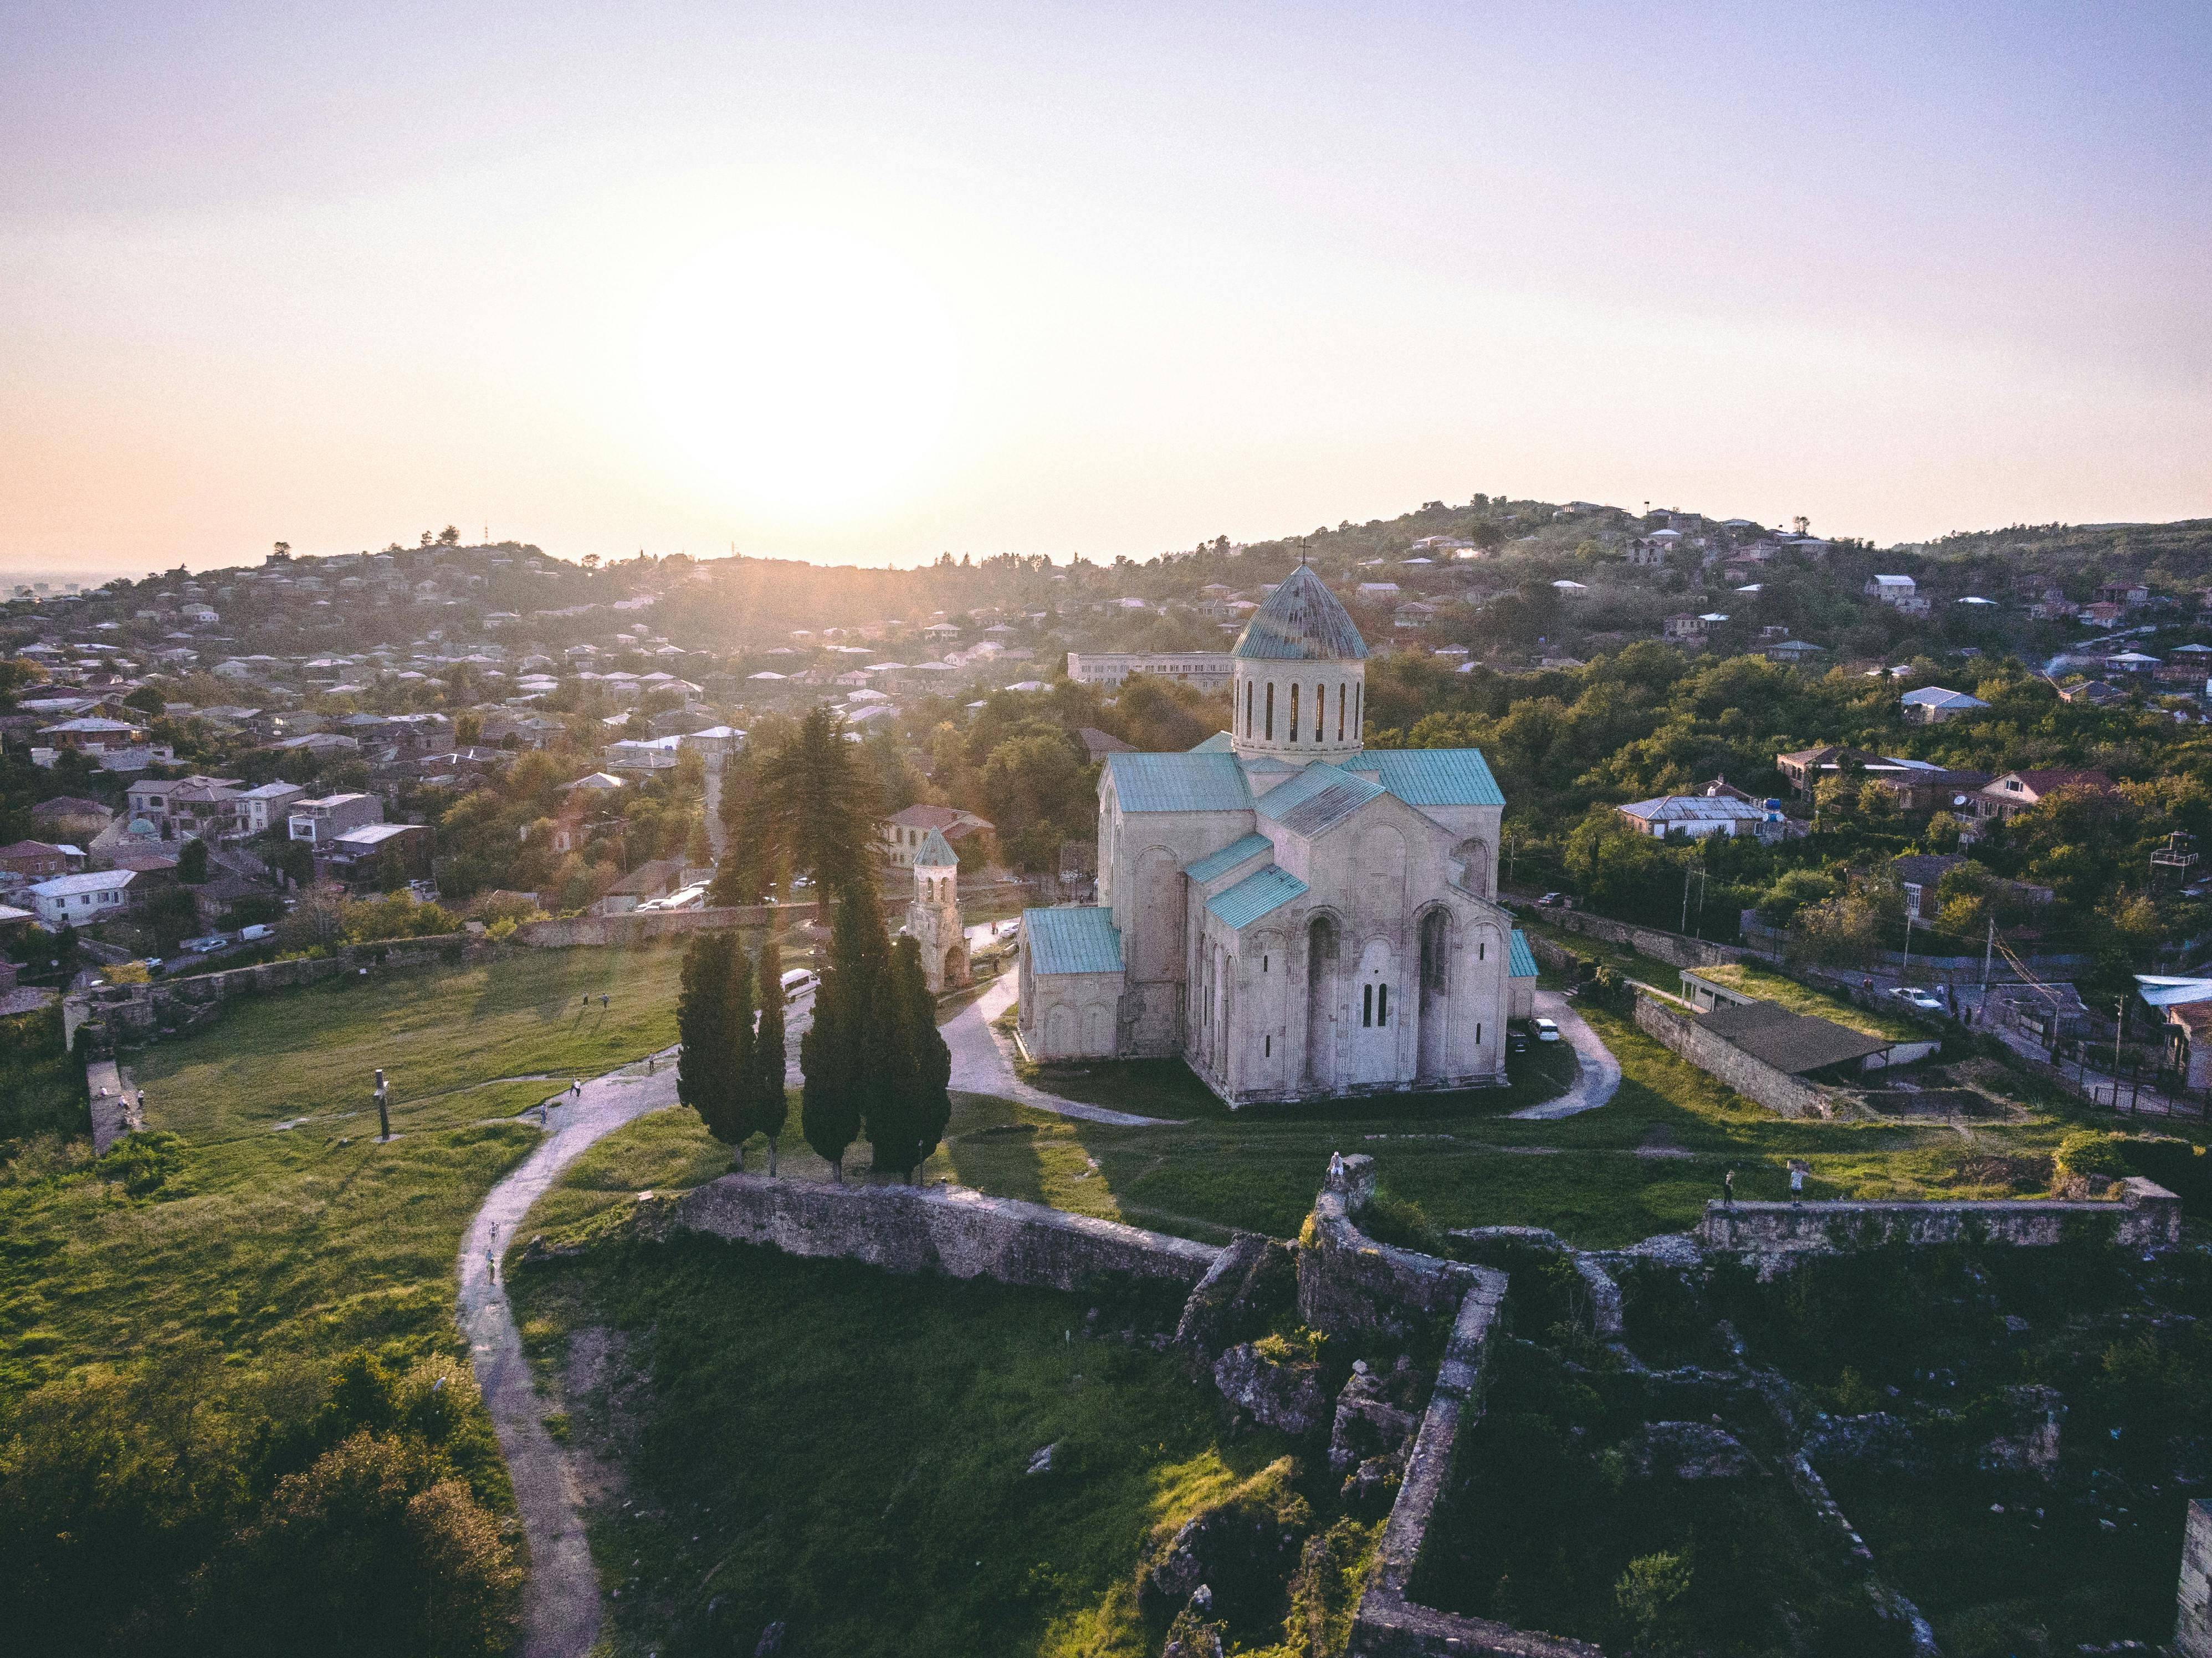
(1546, 1030)
(1914, 996)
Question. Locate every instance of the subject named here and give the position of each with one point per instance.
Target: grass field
(1771, 987)
(297, 1243)
(812, 1444)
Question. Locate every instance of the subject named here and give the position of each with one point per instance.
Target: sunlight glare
(805, 372)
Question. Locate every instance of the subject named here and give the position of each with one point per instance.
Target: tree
(813, 804)
(449, 537)
(282, 553)
(146, 700)
(766, 1107)
(840, 1061)
(192, 863)
(910, 1106)
(467, 727)
(703, 1007)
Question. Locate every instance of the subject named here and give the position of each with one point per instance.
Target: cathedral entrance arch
(1378, 1011)
(1435, 994)
(1324, 945)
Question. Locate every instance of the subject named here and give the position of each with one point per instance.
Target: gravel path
(561, 1598)
(982, 1062)
(1600, 1070)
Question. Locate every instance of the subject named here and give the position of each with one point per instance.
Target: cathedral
(1296, 915)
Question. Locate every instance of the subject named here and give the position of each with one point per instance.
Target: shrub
(2086, 1154)
(144, 1163)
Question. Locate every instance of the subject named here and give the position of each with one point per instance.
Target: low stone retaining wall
(571, 931)
(947, 1229)
(1347, 1282)
(2147, 1215)
(2192, 1634)
(1672, 948)
(1753, 1078)
(144, 1013)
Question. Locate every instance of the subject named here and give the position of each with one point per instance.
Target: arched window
(1294, 711)
(1356, 728)
(1339, 711)
(1271, 710)
(1248, 708)
(1321, 706)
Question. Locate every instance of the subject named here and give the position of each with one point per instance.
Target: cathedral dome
(1300, 622)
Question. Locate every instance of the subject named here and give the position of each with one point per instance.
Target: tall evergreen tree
(702, 1025)
(909, 1108)
(769, 1107)
(843, 1047)
(813, 803)
(738, 1074)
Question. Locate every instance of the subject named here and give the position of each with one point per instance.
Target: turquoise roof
(935, 852)
(1300, 621)
(1317, 798)
(1521, 961)
(1254, 895)
(1433, 777)
(1218, 744)
(1178, 782)
(1080, 938)
(1215, 864)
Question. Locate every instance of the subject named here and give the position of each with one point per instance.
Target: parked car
(209, 944)
(1914, 996)
(1546, 1030)
(1557, 899)
(1517, 1043)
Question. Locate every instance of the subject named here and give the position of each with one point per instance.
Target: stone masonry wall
(2148, 1214)
(1669, 947)
(1348, 1282)
(2192, 1634)
(947, 1230)
(1753, 1078)
(633, 929)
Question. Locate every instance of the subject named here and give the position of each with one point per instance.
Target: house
(1097, 744)
(2182, 1006)
(34, 860)
(1892, 589)
(2095, 692)
(1414, 614)
(655, 878)
(194, 805)
(374, 853)
(1919, 873)
(1789, 651)
(1685, 627)
(323, 820)
(1923, 787)
(2017, 791)
(2127, 594)
(1208, 669)
(903, 833)
(1931, 704)
(258, 810)
(75, 899)
(71, 816)
(1695, 814)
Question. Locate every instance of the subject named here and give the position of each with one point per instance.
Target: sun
(802, 371)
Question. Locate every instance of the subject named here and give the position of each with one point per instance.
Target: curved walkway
(1599, 1071)
(983, 1063)
(561, 1597)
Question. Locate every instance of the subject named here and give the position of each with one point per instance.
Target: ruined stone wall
(1348, 1282)
(635, 929)
(1672, 948)
(2146, 1215)
(145, 1013)
(1755, 1079)
(947, 1229)
(2192, 1634)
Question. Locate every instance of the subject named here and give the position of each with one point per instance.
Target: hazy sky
(864, 282)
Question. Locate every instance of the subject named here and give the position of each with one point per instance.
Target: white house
(1931, 704)
(1695, 814)
(74, 899)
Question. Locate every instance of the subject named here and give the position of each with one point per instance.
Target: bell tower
(932, 919)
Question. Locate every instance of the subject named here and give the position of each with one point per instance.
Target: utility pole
(1989, 949)
(383, 1106)
(1904, 970)
(2119, 1025)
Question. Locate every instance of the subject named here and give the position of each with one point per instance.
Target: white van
(797, 982)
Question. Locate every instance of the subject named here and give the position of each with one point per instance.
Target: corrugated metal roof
(1433, 777)
(1218, 744)
(1521, 962)
(1215, 864)
(1255, 896)
(1318, 797)
(1178, 782)
(1694, 808)
(1790, 1042)
(1300, 622)
(935, 851)
(1079, 938)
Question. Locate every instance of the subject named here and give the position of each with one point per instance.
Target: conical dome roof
(1300, 622)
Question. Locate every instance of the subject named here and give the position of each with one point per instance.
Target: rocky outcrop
(1254, 1278)
(1237, 1551)
(1370, 1422)
(1274, 1382)
(1688, 1451)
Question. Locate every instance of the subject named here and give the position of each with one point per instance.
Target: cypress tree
(770, 1109)
(702, 1025)
(842, 1048)
(738, 1063)
(911, 1107)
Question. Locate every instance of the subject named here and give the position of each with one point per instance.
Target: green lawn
(814, 1444)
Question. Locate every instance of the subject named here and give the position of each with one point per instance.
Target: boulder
(1368, 1422)
(1274, 1383)
(1195, 1633)
(1372, 1487)
(2028, 1442)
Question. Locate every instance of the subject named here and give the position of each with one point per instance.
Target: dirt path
(1599, 1071)
(561, 1598)
(983, 1063)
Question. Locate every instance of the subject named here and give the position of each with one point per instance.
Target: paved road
(983, 1063)
(715, 833)
(1600, 1072)
(561, 1598)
